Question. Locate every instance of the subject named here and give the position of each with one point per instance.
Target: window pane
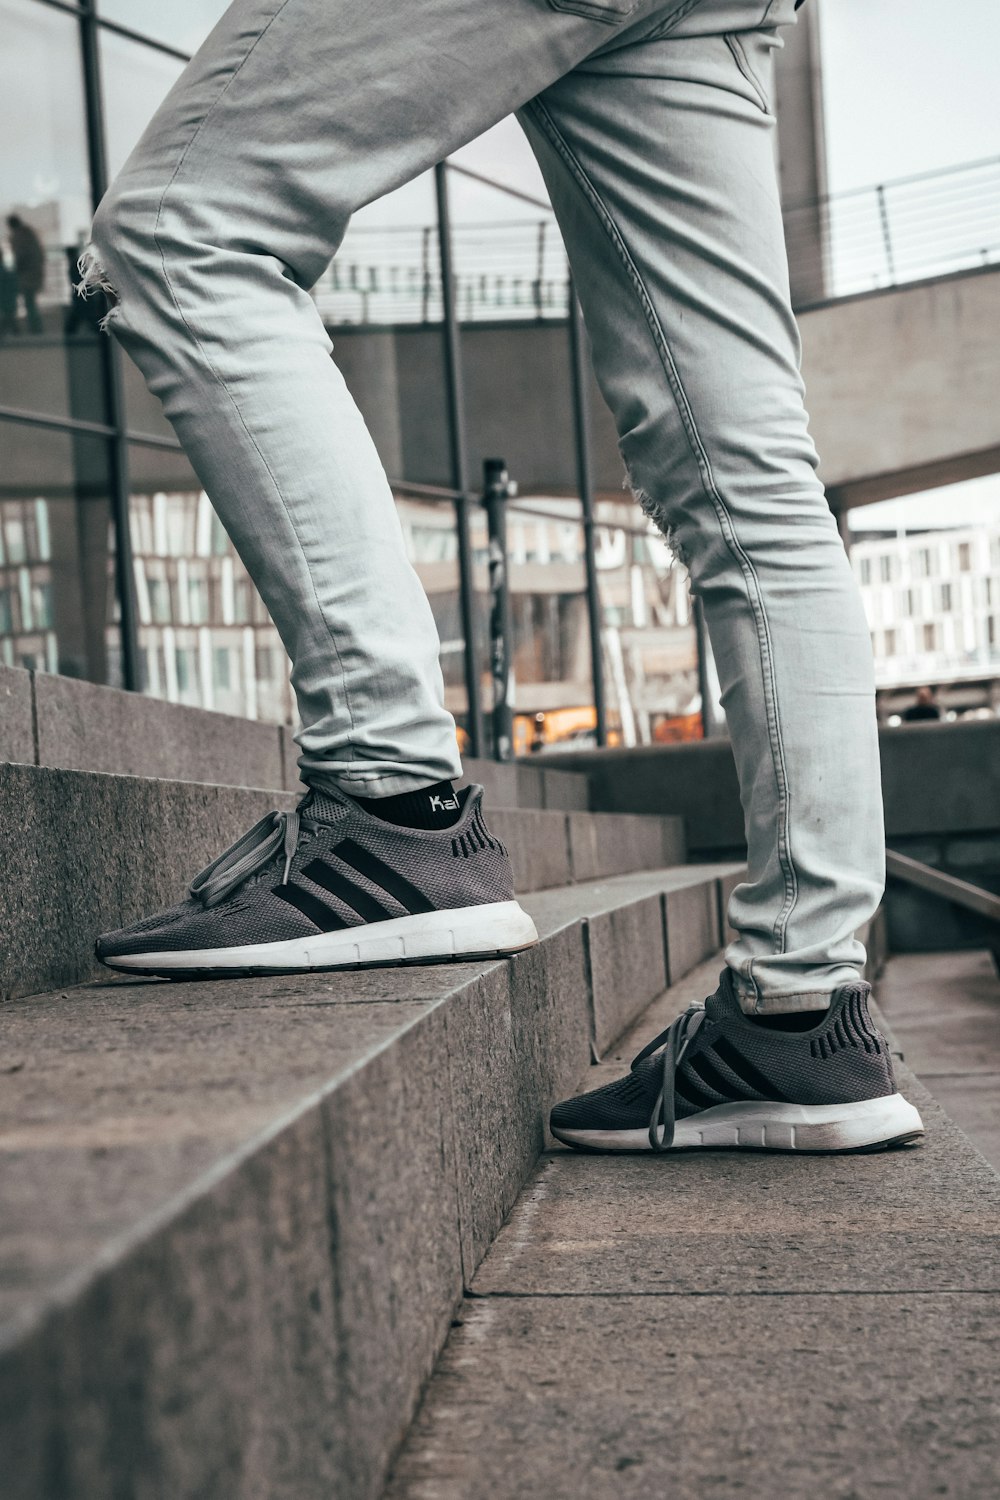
(135, 80)
(57, 596)
(205, 637)
(183, 23)
(49, 352)
(648, 632)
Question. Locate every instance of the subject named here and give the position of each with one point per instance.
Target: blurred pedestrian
(8, 296)
(924, 708)
(29, 263)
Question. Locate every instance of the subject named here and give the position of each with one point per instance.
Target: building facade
(932, 599)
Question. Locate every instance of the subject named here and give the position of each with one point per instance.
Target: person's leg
(294, 114)
(660, 163)
(659, 157)
(33, 316)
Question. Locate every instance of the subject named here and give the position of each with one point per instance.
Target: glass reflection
(649, 641)
(57, 594)
(553, 689)
(135, 78)
(49, 354)
(205, 637)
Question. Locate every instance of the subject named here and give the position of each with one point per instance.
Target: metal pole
(111, 370)
(540, 268)
(883, 213)
(585, 484)
(425, 304)
(496, 490)
(459, 460)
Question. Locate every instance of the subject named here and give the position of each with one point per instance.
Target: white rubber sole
(495, 928)
(756, 1125)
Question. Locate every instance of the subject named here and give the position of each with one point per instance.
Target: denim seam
(672, 20)
(743, 63)
(208, 362)
(700, 455)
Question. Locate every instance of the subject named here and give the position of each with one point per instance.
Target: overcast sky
(909, 86)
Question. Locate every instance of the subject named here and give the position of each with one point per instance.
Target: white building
(932, 599)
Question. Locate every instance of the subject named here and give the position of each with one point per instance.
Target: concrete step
(82, 852)
(720, 1324)
(60, 722)
(238, 1216)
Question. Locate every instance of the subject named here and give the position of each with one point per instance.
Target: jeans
(651, 123)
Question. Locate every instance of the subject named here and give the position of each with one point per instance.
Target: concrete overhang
(902, 386)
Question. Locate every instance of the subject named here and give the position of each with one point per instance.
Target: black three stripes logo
(367, 906)
(699, 1074)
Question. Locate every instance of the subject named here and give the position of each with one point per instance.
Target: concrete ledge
(540, 785)
(82, 727)
(17, 734)
(601, 845)
(627, 940)
(692, 924)
(90, 852)
(936, 779)
(258, 1327)
(261, 1198)
(68, 724)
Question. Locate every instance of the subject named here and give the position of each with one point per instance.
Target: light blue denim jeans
(652, 125)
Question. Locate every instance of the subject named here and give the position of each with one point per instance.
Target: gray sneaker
(715, 1078)
(331, 887)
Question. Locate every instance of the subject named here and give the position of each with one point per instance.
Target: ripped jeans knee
(656, 510)
(94, 279)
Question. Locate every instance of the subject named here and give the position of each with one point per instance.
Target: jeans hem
(776, 1003)
(353, 785)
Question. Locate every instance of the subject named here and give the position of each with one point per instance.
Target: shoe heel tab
(849, 1023)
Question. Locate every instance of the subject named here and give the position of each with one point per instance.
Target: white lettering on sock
(438, 804)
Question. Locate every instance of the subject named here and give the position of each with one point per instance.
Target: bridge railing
(506, 268)
(907, 229)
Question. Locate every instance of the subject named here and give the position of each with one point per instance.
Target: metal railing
(908, 229)
(893, 232)
(973, 898)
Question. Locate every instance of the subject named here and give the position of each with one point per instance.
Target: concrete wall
(940, 782)
(937, 780)
(901, 386)
(798, 105)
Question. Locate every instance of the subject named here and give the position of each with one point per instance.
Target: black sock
(791, 1020)
(437, 806)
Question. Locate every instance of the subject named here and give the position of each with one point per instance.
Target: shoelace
(278, 830)
(675, 1042)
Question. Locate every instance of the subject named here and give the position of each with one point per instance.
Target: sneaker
(714, 1078)
(329, 886)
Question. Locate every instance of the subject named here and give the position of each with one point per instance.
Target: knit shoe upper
(714, 1055)
(327, 867)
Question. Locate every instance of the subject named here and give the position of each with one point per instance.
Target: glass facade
(458, 348)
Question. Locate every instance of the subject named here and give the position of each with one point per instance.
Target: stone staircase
(237, 1219)
(720, 1325)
